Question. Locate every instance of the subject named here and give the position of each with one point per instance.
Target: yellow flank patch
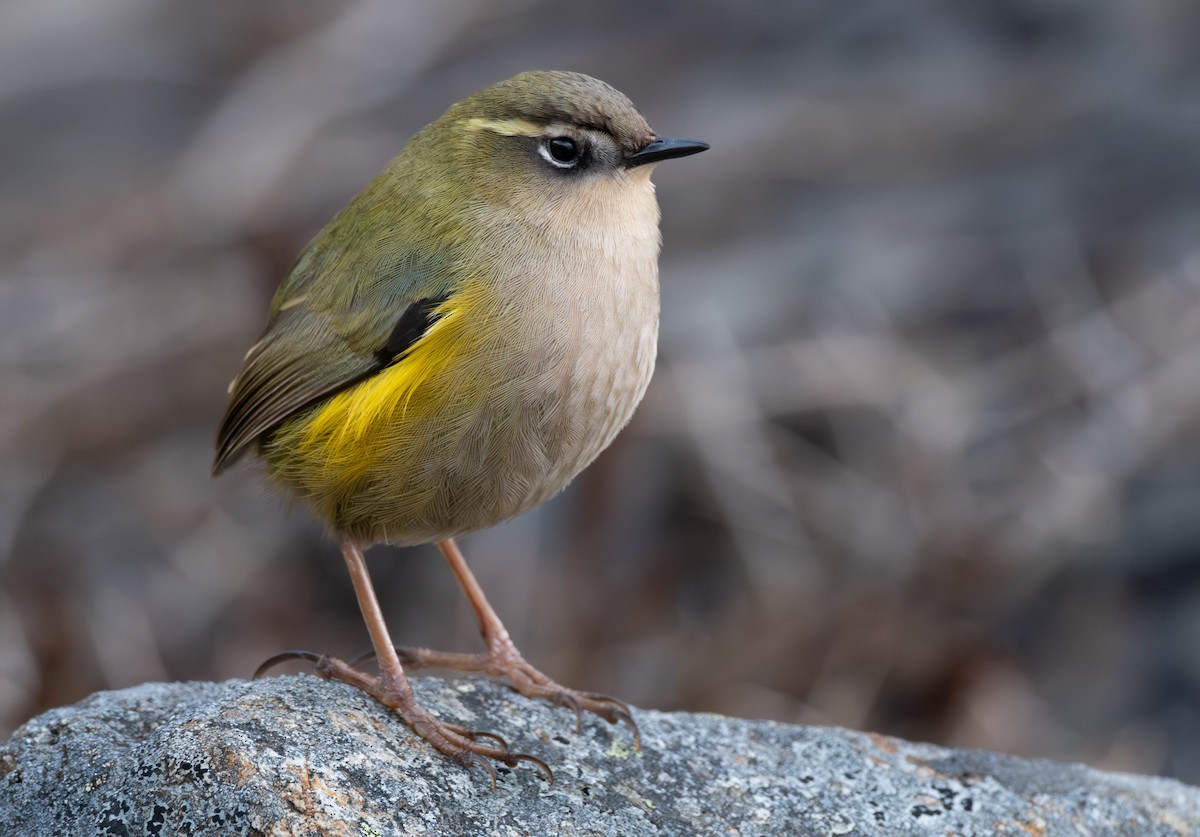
(507, 127)
(349, 430)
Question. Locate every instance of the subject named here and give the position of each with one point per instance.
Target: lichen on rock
(299, 755)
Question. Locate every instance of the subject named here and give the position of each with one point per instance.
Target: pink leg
(502, 658)
(392, 688)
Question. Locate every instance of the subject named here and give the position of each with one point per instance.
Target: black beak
(664, 149)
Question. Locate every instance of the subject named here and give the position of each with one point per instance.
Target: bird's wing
(333, 323)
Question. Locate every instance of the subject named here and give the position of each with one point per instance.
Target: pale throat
(609, 223)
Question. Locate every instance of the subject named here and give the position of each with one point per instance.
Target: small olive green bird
(458, 343)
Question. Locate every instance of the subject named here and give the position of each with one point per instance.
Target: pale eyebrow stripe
(507, 127)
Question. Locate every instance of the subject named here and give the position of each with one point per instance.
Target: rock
(298, 755)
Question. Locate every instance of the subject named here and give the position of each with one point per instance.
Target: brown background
(922, 453)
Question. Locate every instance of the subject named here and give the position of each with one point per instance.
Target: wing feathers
(413, 323)
(302, 359)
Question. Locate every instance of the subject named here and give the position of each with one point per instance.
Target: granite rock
(298, 755)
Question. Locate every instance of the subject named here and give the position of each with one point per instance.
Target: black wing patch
(299, 361)
(412, 325)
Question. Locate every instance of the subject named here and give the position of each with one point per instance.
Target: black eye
(562, 152)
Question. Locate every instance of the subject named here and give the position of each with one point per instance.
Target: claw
(466, 746)
(475, 759)
(484, 756)
(312, 656)
(627, 719)
(619, 711)
(475, 735)
(600, 697)
(536, 762)
(565, 698)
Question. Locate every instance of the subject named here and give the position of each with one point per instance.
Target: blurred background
(922, 455)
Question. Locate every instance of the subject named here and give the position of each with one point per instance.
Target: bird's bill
(664, 148)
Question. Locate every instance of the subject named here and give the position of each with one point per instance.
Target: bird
(454, 347)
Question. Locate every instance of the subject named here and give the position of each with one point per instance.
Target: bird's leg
(392, 688)
(502, 658)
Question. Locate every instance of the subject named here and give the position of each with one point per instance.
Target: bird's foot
(470, 748)
(505, 661)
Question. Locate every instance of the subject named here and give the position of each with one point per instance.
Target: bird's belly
(496, 431)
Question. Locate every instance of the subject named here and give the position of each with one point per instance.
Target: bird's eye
(563, 152)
